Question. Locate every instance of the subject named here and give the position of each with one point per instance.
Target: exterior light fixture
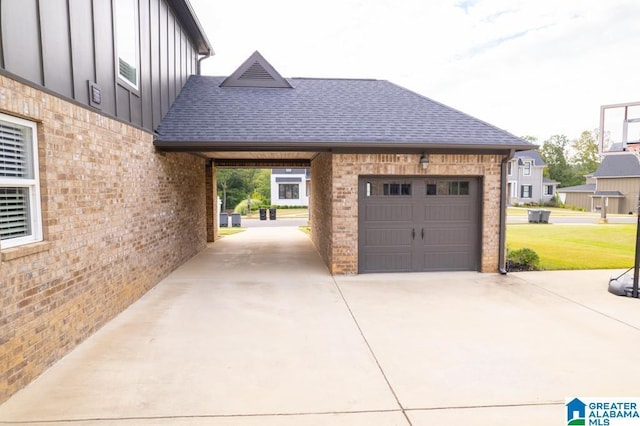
(424, 161)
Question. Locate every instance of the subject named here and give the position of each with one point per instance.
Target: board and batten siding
(628, 186)
(62, 45)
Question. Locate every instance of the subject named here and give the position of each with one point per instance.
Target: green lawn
(588, 246)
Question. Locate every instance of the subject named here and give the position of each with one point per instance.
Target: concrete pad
(390, 418)
(253, 325)
(447, 340)
(491, 416)
(589, 288)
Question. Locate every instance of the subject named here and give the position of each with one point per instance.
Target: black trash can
(263, 214)
(235, 219)
(272, 214)
(224, 220)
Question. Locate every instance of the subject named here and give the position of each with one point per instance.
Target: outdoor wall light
(424, 161)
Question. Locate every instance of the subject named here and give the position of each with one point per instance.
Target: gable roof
(618, 165)
(531, 154)
(213, 113)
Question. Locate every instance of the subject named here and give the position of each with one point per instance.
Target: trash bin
(224, 220)
(263, 214)
(235, 219)
(544, 216)
(272, 214)
(534, 216)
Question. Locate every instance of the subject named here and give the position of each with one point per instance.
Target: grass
(230, 231)
(588, 246)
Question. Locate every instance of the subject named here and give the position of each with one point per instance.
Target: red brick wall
(117, 218)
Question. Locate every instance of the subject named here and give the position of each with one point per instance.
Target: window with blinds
(19, 187)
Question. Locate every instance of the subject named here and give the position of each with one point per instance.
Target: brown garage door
(418, 224)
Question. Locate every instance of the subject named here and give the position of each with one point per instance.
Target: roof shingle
(341, 112)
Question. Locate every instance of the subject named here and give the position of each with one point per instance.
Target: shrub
(523, 259)
(243, 209)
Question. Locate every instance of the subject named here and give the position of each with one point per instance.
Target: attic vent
(256, 72)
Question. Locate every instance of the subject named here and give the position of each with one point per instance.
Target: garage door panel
(385, 237)
(460, 211)
(388, 262)
(385, 212)
(454, 235)
(449, 261)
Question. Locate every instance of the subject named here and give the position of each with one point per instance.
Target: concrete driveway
(254, 331)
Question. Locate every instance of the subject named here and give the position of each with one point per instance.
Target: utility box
(272, 214)
(236, 220)
(224, 220)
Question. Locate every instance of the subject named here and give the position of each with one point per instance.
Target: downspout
(206, 56)
(502, 261)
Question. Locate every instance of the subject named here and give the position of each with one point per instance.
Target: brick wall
(346, 168)
(320, 205)
(117, 218)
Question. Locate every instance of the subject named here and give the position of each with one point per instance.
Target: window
(127, 41)
(396, 189)
(435, 187)
(525, 191)
(288, 191)
(509, 167)
(389, 188)
(20, 221)
(526, 170)
(548, 190)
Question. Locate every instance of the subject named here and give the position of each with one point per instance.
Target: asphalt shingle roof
(618, 165)
(589, 187)
(530, 155)
(337, 112)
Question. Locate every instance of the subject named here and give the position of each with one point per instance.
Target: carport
(347, 129)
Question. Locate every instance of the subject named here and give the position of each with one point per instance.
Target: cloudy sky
(531, 67)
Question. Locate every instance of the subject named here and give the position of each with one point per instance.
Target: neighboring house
(615, 184)
(91, 215)
(393, 187)
(290, 187)
(525, 180)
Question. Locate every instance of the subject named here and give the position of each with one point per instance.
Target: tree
(235, 185)
(554, 153)
(586, 157)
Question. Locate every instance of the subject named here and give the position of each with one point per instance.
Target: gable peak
(256, 71)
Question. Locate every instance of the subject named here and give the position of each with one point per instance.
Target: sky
(531, 67)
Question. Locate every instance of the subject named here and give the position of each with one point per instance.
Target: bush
(523, 259)
(243, 209)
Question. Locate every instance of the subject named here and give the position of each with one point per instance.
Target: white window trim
(530, 191)
(527, 166)
(33, 185)
(514, 189)
(136, 43)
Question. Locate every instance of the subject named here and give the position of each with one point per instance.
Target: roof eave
(208, 146)
(185, 13)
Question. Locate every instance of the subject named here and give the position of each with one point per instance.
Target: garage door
(418, 224)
